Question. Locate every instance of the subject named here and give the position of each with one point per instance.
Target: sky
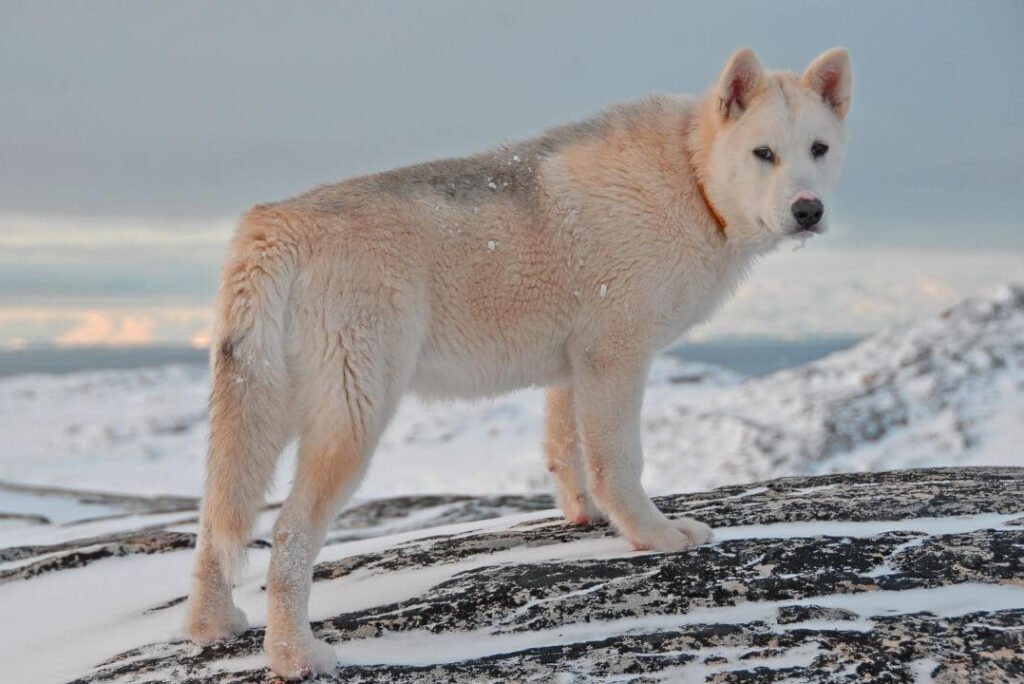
(134, 134)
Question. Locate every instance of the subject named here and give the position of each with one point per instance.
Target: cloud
(818, 291)
(94, 328)
(144, 130)
(201, 338)
(134, 330)
(110, 321)
(99, 328)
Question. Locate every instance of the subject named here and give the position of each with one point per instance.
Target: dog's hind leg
(346, 397)
(565, 458)
(249, 424)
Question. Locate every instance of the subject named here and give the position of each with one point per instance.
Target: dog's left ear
(829, 75)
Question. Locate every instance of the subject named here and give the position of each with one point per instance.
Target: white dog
(566, 261)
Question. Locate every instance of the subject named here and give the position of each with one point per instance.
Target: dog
(566, 261)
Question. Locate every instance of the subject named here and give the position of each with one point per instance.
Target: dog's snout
(808, 212)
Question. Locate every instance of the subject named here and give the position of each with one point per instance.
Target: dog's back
(499, 258)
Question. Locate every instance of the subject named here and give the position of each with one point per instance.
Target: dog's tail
(249, 400)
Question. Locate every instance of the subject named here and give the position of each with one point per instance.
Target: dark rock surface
(903, 576)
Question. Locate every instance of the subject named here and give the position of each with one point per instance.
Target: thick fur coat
(566, 261)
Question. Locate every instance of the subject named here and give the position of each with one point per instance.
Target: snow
(57, 510)
(46, 534)
(110, 604)
(428, 648)
(697, 671)
(941, 391)
(832, 528)
(88, 614)
(922, 670)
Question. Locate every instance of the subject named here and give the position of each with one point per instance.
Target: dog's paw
(580, 510)
(698, 532)
(678, 535)
(666, 538)
(203, 628)
(295, 660)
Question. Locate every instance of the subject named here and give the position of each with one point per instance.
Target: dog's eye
(764, 153)
(818, 149)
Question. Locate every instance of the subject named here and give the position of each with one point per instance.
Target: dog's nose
(808, 212)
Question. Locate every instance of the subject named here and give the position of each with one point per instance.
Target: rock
(900, 576)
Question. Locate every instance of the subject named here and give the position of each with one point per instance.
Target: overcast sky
(131, 133)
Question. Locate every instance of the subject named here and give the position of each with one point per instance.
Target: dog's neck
(711, 208)
(699, 137)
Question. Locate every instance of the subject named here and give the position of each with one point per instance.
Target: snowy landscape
(849, 421)
(943, 390)
(102, 471)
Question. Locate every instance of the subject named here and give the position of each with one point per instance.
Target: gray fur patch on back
(476, 179)
(506, 172)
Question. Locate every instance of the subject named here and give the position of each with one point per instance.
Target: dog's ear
(738, 82)
(829, 75)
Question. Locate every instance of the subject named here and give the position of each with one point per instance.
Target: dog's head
(775, 146)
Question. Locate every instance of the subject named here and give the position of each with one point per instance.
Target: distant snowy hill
(947, 390)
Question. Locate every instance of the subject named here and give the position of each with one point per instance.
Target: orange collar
(711, 209)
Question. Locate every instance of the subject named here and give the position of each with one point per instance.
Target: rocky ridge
(901, 576)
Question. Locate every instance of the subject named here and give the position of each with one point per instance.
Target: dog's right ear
(829, 76)
(738, 82)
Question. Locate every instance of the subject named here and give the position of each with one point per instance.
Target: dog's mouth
(800, 236)
(805, 233)
(796, 232)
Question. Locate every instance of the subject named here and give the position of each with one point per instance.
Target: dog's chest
(696, 291)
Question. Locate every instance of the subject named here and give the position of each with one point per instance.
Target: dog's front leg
(565, 458)
(609, 395)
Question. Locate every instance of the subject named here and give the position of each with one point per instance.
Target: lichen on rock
(888, 577)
